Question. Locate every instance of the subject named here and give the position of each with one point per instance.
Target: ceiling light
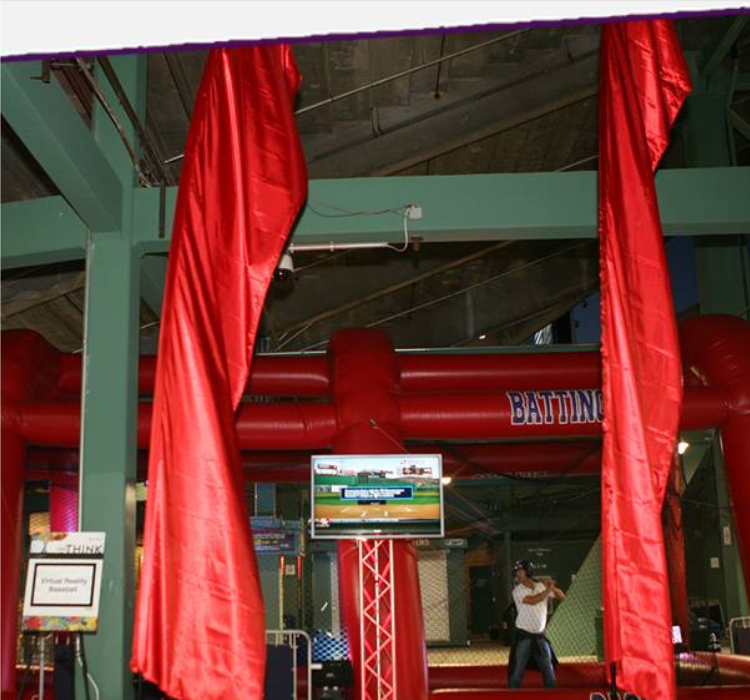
(446, 480)
(482, 336)
(682, 447)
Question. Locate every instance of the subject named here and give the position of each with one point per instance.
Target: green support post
(109, 400)
(108, 450)
(734, 580)
(723, 274)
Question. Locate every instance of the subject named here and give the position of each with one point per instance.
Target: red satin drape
(643, 82)
(199, 630)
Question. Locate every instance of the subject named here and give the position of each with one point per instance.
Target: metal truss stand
(377, 620)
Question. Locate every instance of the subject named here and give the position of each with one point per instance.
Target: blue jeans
(525, 645)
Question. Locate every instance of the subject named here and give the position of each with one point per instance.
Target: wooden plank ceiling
(525, 102)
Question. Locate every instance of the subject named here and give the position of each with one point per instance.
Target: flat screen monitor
(377, 496)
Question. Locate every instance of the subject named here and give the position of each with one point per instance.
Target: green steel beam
(40, 231)
(108, 450)
(153, 281)
(734, 580)
(489, 207)
(43, 117)
(742, 82)
(109, 403)
(694, 201)
(721, 48)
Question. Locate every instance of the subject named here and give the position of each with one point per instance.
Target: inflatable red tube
(29, 370)
(561, 693)
(492, 416)
(421, 373)
(261, 426)
(364, 386)
(312, 425)
(716, 351)
(273, 376)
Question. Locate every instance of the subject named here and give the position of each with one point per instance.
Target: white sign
(63, 583)
(58, 583)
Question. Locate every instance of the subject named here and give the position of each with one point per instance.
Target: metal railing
(734, 624)
(292, 639)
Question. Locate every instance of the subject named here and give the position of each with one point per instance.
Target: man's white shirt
(531, 618)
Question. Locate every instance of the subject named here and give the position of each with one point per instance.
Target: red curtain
(643, 83)
(199, 630)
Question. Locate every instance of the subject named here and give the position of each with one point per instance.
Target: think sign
(63, 582)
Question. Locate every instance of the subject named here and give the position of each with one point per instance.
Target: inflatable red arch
(399, 397)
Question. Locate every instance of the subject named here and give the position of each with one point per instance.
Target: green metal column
(269, 572)
(734, 580)
(721, 261)
(108, 450)
(723, 274)
(109, 402)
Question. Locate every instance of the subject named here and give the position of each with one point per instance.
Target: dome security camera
(285, 270)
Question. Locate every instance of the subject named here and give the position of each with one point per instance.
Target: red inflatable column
(716, 352)
(674, 545)
(29, 366)
(13, 450)
(365, 387)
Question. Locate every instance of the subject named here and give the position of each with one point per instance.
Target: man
(530, 597)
